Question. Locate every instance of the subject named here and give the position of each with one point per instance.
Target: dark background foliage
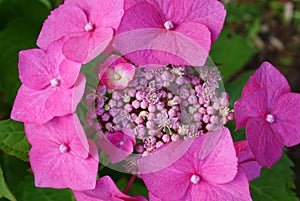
(254, 31)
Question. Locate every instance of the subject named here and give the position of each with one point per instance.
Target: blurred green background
(254, 31)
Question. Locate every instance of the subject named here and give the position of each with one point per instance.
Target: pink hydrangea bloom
(116, 73)
(88, 27)
(169, 31)
(106, 190)
(61, 156)
(204, 172)
(271, 114)
(51, 85)
(247, 160)
(117, 145)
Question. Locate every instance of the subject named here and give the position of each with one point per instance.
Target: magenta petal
(236, 190)
(106, 190)
(269, 78)
(286, 112)
(220, 166)
(31, 69)
(65, 21)
(69, 72)
(86, 47)
(264, 142)
(246, 160)
(29, 106)
(253, 105)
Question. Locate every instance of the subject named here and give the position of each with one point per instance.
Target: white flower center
(195, 179)
(122, 143)
(117, 76)
(168, 25)
(63, 148)
(270, 118)
(89, 27)
(55, 82)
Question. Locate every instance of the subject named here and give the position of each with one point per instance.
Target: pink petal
(101, 12)
(131, 3)
(286, 112)
(264, 142)
(117, 145)
(253, 105)
(29, 106)
(65, 21)
(86, 47)
(220, 166)
(209, 13)
(32, 72)
(64, 101)
(236, 190)
(268, 77)
(106, 190)
(52, 167)
(246, 160)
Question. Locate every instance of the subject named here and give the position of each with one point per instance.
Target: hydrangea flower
(169, 31)
(271, 114)
(106, 190)
(117, 145)
(51, 85)
(88, 27)
(247, 160)
(204, 172)
(116, 73)
(61, 156)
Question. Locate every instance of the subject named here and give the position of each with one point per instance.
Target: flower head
(271, 114)
(170, 31)
(61, 156)
(87, 26)
(207, 171)
(51, 85)
(106, 190)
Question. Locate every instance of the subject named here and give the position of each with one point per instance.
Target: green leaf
(4, 189)
(21, 21)
(275, 184)
(13, 139)
(231, 52)
(32, 193)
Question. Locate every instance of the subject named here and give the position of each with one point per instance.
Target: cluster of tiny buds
(162, 105)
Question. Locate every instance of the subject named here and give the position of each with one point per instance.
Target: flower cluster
(159, 100)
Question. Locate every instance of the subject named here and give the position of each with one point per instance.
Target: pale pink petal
(106, 190)
(265, 143)
(65, 21)
(86, 47)
(117, 145)
(247, 160)
(286, 111)
(69, 72)
(32, 72)
(130, 3)
(268, 77)
(209, 13)
(253, 105)
(29, 106)
(168, 183)
(236, 190)
(220, 166)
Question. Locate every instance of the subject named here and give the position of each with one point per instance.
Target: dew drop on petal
(89, 27)
(63, 148)
(195, 179)
(168, 25)
(270, 118)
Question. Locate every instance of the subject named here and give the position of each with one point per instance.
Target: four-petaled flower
(61, 156)
(207, 171)
(271, 114)
(87, 26)
(51, 85)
